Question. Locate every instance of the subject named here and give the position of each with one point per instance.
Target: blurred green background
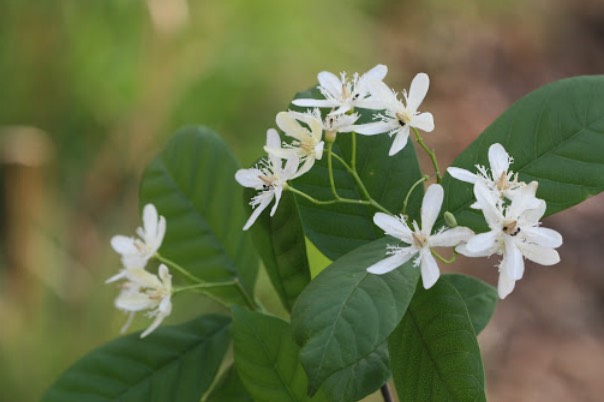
(91, 90)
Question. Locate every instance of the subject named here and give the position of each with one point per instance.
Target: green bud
(450, 219)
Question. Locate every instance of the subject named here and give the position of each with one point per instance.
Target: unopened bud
(330, 136)
(450, 219)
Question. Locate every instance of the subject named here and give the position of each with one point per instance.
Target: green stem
(203, 286)
(332, 182)
(417, 183)
(430, 153)
(329, 202)
(443, 259)
(353, 161)
(178, 268)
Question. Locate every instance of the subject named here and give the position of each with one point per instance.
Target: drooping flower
(145, 291)
(419, 240)
(136, 252)
(344, 94)
(500, 181)
(515, 233)
(399, 117)
(269, 177)
(307, 145)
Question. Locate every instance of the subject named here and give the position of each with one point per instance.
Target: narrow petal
(273, 140)
(393, 226)
(483, 244)
(330, 83)
(257, 211)
(342, 109)
(376, 73)
(539, 254)
(417, 91)
(499, 160)
(485, 199)
(249, 178)
(134, 301)
(462, 174)
(161, 232)
(451, 237)
(278, 192)
(542, 236)
(377, 127)
(306, 166)
(382, 93)
(512, 259)
(505, 285)
(156, 323)
(281, 153)
(290, 171)
(322, 103)
(288, 124)
(123, 245)
(423, 121)
(400, 140)
(390, 263)
(128, 322)
(524, 199)
(150, 218)
(429, 268)
(431, 204)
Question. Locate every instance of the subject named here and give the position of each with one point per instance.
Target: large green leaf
(344, 316)
(266, 358)
(229, 389)
(434, 353)
(280, 242)
(480, 298)
(555, 135)
(340, 228)
(172, 364)
(192, 184)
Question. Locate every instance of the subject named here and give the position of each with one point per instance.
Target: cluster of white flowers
(141, 289)
(309, 130)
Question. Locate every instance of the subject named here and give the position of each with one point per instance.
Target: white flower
(269, 177)
(398, 117)
(343, 94)
(515, 232)
(500, 181)
(145, 291)
(307, 145)
(136, 252)
(420, 240)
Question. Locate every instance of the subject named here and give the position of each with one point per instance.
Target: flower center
(268, 181)
(502, 182)
(308, 145)
(419, 240)
(511, 228)
(403, 118)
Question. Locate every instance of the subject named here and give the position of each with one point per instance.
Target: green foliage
(192, 184)
(172, 364)
(480, 298)
(434, 354)
(229, 389)
(555, 135)
(280, 242)
(344, 316)
(266, 358)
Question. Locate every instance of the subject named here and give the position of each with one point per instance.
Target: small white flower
(515, 232)
(420, 240)
(136, 252)
(145, 291)
(343, 94)
(307, 145)
(269, 177)
(500, 181)
(398, 118)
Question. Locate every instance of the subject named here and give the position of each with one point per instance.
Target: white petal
(382, 93)
(417, 91)
(390, 263)
(377, 127)
(278, 192)
(164, 274)
(531, 217)
(249, 178)
(281, 153)
(150, 218)
(306, 166)
(290, 171)
(376, 73)
(123, 245)
(505, 285)
(393, 226)
(539, 254)
(451, 237)
(158, 320)
(512, 260)
(258, 210)
(134, 301)
(462, 174)
(499, 160)
(288, 124)
(424, 122)
(431, 204)
(330, 83)
(542, 236)
(161, 232)
(322, 103)
(117, 277)
(524, 199)
(429, 268)
(487, 203)
(400, 140)
(370, 103)
(483, 244)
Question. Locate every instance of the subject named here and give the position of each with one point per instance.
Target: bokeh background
(91, 90)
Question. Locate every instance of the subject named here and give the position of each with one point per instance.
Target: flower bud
(450, 219)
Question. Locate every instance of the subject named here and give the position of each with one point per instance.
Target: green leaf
(192, 184)
(480, 298)
(555, 135)
(434, 353)
(172, 364)
(280, 242)
(344, 316)
(340, 228)
(229, 389)
(266, 358)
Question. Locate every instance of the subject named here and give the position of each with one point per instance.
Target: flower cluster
(309, 131)
(142, 290)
